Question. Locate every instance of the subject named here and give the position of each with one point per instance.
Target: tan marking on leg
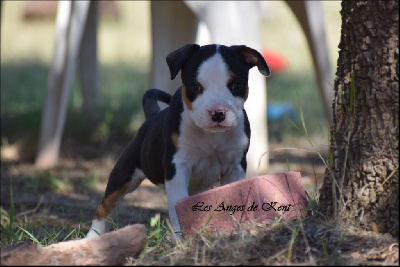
(104, 209)
(174, 138)
(185, 99)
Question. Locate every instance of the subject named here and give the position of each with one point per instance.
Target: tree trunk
(361, 186)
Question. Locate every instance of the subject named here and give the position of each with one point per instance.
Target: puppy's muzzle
(217, 115)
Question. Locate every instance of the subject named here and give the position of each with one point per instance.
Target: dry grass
(312, 241)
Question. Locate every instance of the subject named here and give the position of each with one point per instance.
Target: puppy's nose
(217, 115)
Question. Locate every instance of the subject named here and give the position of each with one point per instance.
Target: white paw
(178, 235)
(98, 228)
(92, 233)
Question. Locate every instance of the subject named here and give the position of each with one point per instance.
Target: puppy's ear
(254, 58)
(177, 59)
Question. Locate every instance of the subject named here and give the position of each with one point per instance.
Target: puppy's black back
(155, 137)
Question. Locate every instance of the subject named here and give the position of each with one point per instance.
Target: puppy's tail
(149, 101)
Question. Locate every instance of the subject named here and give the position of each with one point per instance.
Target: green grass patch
(124, 67)
(16, 230)
(292, 88)
(23, 95)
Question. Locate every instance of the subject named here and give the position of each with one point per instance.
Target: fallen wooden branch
(109, 249)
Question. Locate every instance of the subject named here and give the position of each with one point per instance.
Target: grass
(312, 240)
(124, 66)
(36, 232)
(309, 241)
(124, 56)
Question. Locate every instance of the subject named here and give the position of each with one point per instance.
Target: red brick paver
(262, 198)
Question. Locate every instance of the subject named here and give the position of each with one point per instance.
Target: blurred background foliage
(124, 47)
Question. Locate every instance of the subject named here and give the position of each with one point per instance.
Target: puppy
(199, 141)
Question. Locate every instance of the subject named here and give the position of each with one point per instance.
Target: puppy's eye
(237, 86)
(196, 88)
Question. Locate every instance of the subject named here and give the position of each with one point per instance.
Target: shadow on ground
(69, 193)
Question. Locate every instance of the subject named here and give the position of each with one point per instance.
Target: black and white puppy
(200, 140)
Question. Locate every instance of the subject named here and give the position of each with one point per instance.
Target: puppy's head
(215, 82)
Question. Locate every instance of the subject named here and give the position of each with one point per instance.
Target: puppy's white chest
(211, 162)
(209, 156)
(214, 164)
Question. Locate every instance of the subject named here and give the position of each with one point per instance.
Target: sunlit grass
(127, 39)
(124, 48)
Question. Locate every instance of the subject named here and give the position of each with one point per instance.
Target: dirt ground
(66, 197)
(69, 193)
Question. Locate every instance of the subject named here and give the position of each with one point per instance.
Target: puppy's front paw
(92, 234)
(176, 235)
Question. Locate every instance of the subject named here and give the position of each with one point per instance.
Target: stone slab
(263, 199)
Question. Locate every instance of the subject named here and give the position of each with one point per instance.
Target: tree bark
(361, 184)
(109, 249)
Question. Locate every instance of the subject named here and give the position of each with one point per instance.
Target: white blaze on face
(214, 76)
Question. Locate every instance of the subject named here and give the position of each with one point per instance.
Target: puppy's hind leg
(117, 187)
